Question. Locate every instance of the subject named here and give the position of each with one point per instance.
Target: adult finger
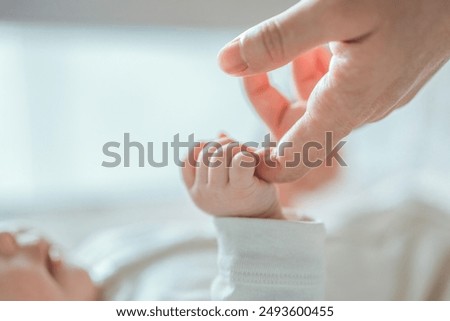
(309, 68)
(306, 144)
(345, 98)
(268, 102)
(308, 24)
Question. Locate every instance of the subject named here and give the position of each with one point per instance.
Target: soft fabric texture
(263, 259)
(400, 254)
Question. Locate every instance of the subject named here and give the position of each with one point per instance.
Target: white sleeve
(265, 260)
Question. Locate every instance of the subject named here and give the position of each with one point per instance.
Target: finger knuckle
(336, 108)
(198, 195)
(216, 161)
(272, 40)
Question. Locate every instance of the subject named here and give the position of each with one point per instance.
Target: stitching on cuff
(287, 279)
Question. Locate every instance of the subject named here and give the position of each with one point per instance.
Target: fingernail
(230, 58)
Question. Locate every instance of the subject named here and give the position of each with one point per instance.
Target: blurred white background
(66, 91)
(75, 76)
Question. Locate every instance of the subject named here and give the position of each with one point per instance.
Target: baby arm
(264, 253)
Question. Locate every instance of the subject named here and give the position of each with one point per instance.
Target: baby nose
(8, 244)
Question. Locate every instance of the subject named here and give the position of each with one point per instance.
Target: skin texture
(280, 114)
(234, 190)
(383, 52)
(231, 189)
(29, 271)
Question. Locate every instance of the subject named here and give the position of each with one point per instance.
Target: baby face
(29, 271)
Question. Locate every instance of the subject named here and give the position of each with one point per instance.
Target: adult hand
(280, 114)
(383, 52)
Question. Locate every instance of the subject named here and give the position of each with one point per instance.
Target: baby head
(30, 270)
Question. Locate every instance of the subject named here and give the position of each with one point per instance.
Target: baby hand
(220, 178)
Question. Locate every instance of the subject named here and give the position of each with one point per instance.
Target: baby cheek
(28, 283)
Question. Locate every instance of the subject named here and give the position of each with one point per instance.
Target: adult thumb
(277, 41)
(315, 139)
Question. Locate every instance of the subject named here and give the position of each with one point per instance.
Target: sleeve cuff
(262, 259)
